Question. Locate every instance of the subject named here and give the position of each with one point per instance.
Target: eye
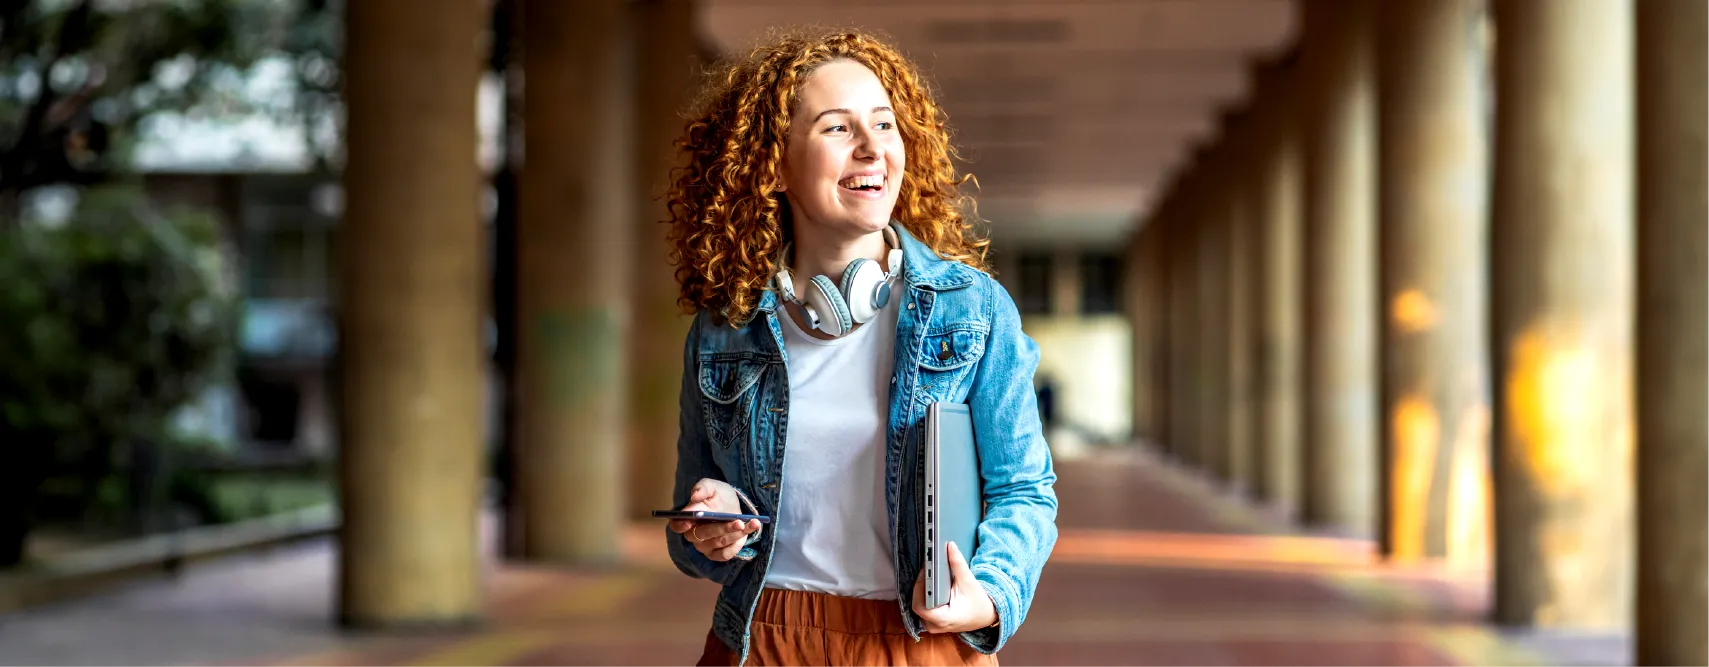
(837, 128)
(886, 125)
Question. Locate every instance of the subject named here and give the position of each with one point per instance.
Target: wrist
(990, 619)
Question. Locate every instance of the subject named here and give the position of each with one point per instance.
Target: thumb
(919, 597)
(960, 574)
(703, 491)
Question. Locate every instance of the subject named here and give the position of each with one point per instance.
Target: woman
(838, 292)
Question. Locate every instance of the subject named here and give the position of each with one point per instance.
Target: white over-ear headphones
(835, 308)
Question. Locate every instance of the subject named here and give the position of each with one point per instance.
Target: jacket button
(910, 306)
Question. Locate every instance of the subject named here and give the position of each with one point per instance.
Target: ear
(782, 182)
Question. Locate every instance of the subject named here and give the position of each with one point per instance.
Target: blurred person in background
(838, 290)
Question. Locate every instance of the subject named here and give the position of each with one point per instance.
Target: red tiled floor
(1151, 568)
(1181, 590)
(1093, 496)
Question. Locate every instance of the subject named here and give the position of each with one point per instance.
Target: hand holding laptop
(969, 607)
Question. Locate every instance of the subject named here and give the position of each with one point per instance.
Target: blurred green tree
(78, 76)
(108, 323)
(121, 314)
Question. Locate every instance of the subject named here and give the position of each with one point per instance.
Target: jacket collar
(921, 267)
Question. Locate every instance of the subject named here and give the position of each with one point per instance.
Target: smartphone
(701, 515)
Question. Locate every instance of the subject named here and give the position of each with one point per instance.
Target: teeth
(863, 181)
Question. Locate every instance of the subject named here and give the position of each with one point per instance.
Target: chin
(875, 223)
(854, 221)
(863, 223)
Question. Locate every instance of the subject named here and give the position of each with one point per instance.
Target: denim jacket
(735, 411)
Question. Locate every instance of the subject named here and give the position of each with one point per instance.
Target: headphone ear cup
(859, 281)
(833, 312)
(786, 284)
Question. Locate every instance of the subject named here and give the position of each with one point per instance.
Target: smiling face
(844, 161)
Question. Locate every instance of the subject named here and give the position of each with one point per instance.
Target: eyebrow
(846, 112)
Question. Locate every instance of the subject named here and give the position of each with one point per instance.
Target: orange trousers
(801, 628)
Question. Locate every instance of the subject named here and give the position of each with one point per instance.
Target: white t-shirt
(833, 531)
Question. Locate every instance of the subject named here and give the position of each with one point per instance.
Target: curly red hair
(727, 220)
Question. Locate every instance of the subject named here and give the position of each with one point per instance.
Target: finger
(736, 542)
(710, 531)
(727, 540)
(711, 547)
(720, 534)
(742, 528)
(730, 552)
(680, 526)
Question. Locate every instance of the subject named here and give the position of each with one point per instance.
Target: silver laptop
(955, 501)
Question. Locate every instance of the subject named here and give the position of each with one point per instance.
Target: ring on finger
(694, 533)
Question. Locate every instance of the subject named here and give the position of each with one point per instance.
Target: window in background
(1034, 278)
(1100, 283)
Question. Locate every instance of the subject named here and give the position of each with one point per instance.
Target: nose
(867, 145)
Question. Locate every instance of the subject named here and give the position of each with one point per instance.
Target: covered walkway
(1154, 567)
(1429, 278)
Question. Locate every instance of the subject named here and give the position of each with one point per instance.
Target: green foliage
(108, 324)
(237, 496)
(123, 311)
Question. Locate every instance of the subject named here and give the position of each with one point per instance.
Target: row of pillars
(584, 286)
(1468, 325)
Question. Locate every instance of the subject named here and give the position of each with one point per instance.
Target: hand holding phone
(718, 539)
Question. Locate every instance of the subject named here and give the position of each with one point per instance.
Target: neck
(819, 255)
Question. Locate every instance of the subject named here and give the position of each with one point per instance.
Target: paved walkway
(1152, 567)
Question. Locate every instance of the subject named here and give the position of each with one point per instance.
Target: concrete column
(1138, 280)
(1277, 263)
(411, 294)
(1180, 326)
(1242, 335)
(1340, 269)
(1156, 325)
(1185, 368)
(1432, 196)
(575, 248)
(667, 63)
(1673, 610)
(1561, 302)
(1211, 346)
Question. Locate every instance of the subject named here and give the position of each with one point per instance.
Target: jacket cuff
(748, 553)
(1004, 599)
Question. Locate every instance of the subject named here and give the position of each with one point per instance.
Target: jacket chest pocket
(947, 361)
(727, 399)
